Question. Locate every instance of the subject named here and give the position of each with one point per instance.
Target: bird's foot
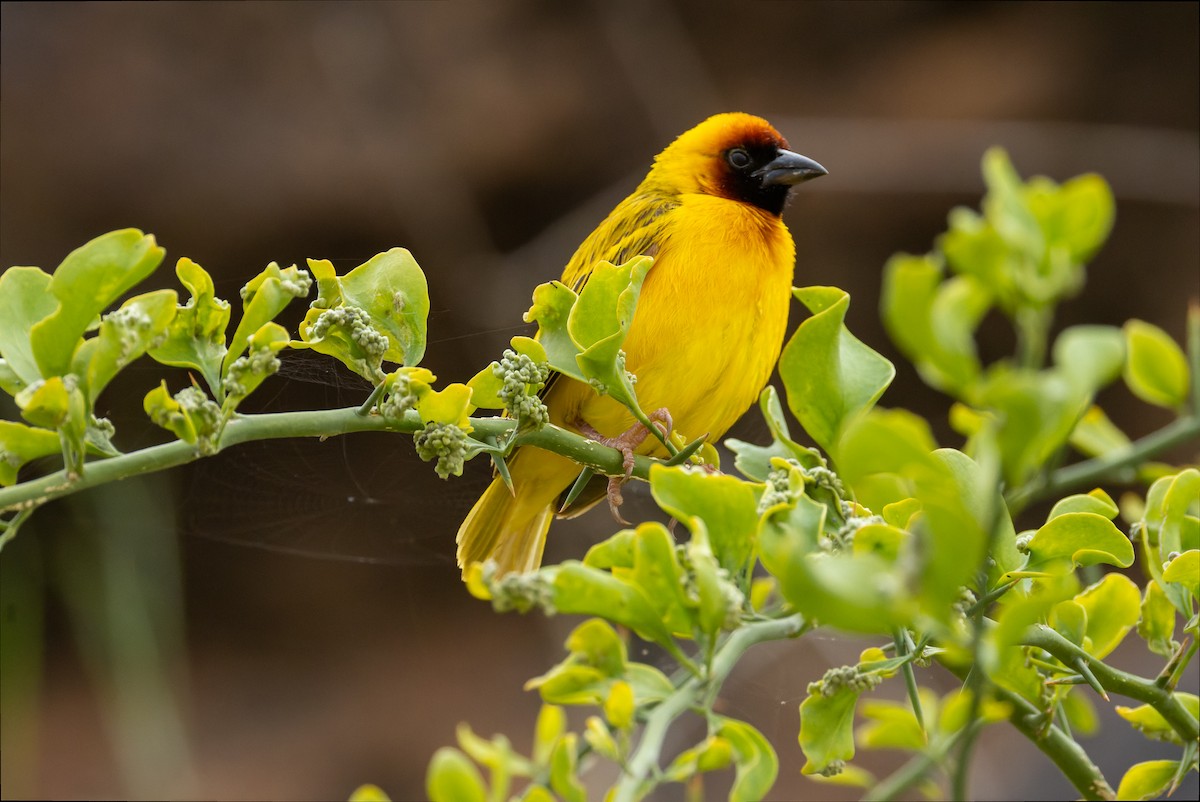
(626, 442)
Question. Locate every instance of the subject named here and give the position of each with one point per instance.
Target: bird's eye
(738, 158)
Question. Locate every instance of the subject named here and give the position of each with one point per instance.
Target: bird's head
(734, 156)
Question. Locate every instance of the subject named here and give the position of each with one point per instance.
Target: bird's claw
(626, 442)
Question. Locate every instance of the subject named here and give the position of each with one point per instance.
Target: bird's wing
(635, 228)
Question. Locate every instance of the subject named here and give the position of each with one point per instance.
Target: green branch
(1117, 681)
(316, 423)
(1092, 471)
(646, 757)
(1063, 750)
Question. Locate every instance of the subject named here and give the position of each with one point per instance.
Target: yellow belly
(709, 323)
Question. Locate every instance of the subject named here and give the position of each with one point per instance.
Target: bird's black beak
(788, 169)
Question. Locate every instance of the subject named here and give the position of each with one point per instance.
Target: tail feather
(510, 528)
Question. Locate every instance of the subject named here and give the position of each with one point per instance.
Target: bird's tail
(510, 527)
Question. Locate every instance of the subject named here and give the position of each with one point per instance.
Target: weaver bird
(708, 326)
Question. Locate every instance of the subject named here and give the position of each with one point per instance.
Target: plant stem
(1063, 751)
(1081, 474)
(904, 647)
(915, 769)
(314, 423)
(646, 757)
(1117, 681)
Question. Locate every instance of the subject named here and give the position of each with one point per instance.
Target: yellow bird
(707, 330)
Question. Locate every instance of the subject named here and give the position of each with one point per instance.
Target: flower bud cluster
(523, 379)
(779, 490)
(259, 362)
(845, 677)
(517, 591)
(444, 442)
(400, 399)
(129, 322)
(842, 537)
(356, 322)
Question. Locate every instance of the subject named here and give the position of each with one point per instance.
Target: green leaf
(727, 506)
(756, 765)
(1112, 607)
(1090, 357)
(831, 377)
(20, 444)
(90, 279)
(600, 321)
(754, 461)
(1149, 722)
(583, 590)
(712, 754)
(196, 336)
(827, 729)
(391, 287)
(1096, 501)
(932, 321)
(855, 592)
(619, 706)
(124, 335)
(657, 572)
(563, 778)
(1095, 435)
(552, 305)
(1157, 370)
(1036, 413)
(1077, 216)
(369, 793)
(892, 725)
(451, 777)
(551, 724)
(451, 404)
(615, 552)
(1003, 658)
(1078, 538)
(375, 313)
(886, 443)
(263, 298)
(1080, 713)
(1185, 569)
(24, 300)
(1156, 625)
(1167, 504)
(45, 403)
(1147, 780)
(597, 643)
(1069, 618)
(714, 596)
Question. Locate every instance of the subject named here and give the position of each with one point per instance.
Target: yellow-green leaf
(1157, 370)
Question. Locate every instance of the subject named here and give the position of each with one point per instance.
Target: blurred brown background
(285, 621)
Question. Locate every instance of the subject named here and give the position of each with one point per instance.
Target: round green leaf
(91, 278)
(1078, 538)
(1112, 606)
(1157, 370)
(24, 300)
(827, 728)
(1185, 569)
(451, 777)
(829, 374)
(1147, 780)
(727, 506)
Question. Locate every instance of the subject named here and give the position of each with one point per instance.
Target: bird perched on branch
(708, 326)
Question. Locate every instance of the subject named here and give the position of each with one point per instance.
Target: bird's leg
(626, 442)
